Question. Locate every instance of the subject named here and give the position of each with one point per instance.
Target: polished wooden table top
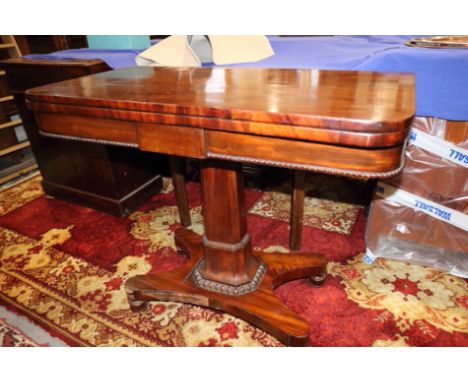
(340, 122)
(329, 99)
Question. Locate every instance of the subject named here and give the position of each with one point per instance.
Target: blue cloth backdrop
(441, 74)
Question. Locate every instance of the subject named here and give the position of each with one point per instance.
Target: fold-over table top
(381, 101)
(348, 101)
(340, 122)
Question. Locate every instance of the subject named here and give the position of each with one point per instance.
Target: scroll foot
(135, 304)
(318, 280)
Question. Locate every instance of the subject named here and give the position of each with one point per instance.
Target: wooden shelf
(17, 170)
(14, 148)
(7, 98)
(14, 123)
(14, 159)
(7, 46)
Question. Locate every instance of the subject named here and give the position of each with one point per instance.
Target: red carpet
(64, 266)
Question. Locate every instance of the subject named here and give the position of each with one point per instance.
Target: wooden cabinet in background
(107, 178)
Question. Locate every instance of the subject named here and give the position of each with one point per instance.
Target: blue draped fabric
(441, 74)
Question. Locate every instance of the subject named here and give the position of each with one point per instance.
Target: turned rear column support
(177, 165)
(228, 261)
(297, 211)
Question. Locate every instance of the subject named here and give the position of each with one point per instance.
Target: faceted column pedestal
(222, 272)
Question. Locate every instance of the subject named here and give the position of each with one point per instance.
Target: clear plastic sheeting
(421, 216)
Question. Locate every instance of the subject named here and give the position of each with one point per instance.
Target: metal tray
(440, 42)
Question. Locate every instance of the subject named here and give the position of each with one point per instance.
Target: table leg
(177, 172)
(297, 211)
(222, 272)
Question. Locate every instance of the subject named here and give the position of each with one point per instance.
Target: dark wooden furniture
(297, 210)
(108, 178)
(32, 44)
(339, 122)
(15, 157)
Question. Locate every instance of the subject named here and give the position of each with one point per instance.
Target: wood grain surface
(352, 101)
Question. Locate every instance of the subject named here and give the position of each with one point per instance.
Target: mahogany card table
(346, 123)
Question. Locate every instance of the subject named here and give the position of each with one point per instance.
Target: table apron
(201, 143)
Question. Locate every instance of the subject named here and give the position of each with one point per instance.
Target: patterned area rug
(64, 266)
(324, 207)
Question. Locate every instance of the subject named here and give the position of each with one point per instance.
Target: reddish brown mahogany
(341, 122)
